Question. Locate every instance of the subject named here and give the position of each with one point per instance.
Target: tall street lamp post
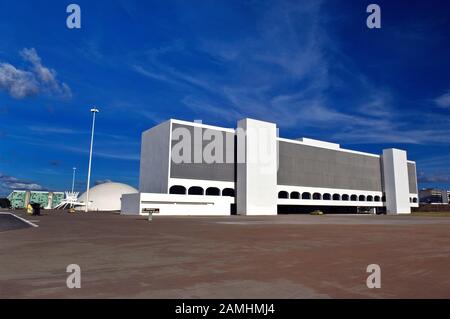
(93, 111)
(73, 178)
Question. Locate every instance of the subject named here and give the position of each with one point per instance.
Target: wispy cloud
(9, 183)
(113, 154)
(112, 146)
(291, 71)
(281, 55)
(443, 101)
(53, 130)
(35, 80)
(433, 178)
(434, 162)
(59, 130)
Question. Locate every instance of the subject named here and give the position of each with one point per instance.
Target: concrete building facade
(434, 196)
(21, 198)
(190, 168)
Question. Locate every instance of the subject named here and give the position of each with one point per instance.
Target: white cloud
(443, 101)
(17, 83)
(9, 183)
(38, 79)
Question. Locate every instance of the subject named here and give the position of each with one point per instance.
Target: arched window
(336, 197)
(362, 198)
(177, 189)
(415, 200)
(383, 198)
(195, 190)
(410, 199)
(353, 198)
(317, 196)
(228, 192)
(283, 194)
(326, 196)
(306, 196)
(345, 197)
(213, 191)
(377, 198)
(370, 198)
(295, 195)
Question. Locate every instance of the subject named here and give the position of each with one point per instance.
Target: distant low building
(47, 200)
(434, 196)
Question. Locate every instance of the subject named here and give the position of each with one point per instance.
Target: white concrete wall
(257, 177)
(396, 183)
(130, 204)
(177, 205)
(154, 164)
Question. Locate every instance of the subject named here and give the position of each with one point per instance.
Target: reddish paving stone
(288, 256)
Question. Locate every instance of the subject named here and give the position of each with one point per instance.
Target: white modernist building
(190, 168)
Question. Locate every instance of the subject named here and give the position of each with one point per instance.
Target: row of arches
(197, 190)
(215, 191)
(328, 196)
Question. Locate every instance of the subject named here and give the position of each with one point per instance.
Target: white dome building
(106, 196)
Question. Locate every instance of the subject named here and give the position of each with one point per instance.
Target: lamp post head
(94, 110)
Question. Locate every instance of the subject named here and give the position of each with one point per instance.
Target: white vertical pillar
(396, 184)
(49, 200)
(257, 165)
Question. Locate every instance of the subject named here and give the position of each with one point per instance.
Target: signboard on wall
(150, 210)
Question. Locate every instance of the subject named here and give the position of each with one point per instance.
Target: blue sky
(313, 67)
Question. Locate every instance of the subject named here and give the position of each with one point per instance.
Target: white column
(396, 185)
(257, 165)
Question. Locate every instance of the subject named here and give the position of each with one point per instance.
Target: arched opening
(336, 197)
(383, 198)
(362, 198)
(415, 200)
(370, 198)
(306, 196)
(317, 196)
(228, 192)
(295, 195)
(353, 198)
(345, 197)
(283, 194)
(326, 196)
(377, 198)
(177, 189)
(410, 199)
(213, 191)
(195, 190)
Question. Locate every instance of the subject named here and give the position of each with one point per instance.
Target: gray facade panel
(303, 165)
(154, 164)
(224, 171)
(412, 177)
